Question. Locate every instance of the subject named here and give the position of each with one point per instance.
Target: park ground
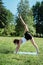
(7, 57)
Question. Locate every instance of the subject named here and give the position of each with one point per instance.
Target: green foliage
(6, 19)
(38, 17)
(9, 30)
(2, 15)
(19, 27)
(10, 17)
(1, 31)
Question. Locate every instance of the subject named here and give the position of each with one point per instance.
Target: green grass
(7, 57)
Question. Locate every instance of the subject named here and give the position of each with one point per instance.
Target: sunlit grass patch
(7, 57)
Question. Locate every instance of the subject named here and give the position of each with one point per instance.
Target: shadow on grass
(6, 52)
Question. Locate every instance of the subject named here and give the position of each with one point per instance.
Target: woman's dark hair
(16, 41)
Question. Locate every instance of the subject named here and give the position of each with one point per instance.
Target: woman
(27, 36)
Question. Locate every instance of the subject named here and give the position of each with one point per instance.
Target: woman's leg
(35, 45)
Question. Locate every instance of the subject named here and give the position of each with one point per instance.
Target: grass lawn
(7, 57)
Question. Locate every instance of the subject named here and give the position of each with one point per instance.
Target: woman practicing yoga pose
(27, 36)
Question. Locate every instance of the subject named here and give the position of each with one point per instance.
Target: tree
(6, 18)
(38, 17)
(10, 22)
(24, 10)
(41, 18)
(5, 15)
(2, 15)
